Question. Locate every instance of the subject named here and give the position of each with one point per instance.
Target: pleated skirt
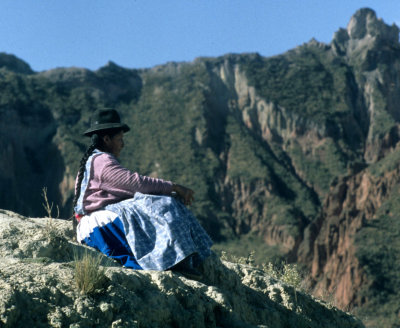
(148, 232)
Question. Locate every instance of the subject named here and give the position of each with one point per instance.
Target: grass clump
(50, 229)
(248, 260)
(90, 276)
(47, 206)
(288, 273)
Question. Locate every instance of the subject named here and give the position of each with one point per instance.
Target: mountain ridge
(268, 144)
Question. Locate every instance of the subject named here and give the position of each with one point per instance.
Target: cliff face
(39, 289)
(353, 247)
(282, 149)
(31, 160)
(352, 202)
(372, 48)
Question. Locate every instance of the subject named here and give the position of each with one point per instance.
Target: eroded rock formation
(354, 205)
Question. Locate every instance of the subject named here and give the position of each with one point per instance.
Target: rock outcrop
(372, 49)
(38, 289)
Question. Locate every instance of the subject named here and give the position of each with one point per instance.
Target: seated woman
(133, 218)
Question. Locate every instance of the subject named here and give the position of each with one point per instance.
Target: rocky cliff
(352, 245)
(279, 150)
(372, 49)
(38, 283)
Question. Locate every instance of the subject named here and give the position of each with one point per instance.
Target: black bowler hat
(104, 119)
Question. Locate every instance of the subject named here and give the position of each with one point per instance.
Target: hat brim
(106, 126)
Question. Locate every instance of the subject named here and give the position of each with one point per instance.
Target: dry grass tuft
(50, 228)
(90, 276)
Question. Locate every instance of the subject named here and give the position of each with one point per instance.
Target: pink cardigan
(109, 183)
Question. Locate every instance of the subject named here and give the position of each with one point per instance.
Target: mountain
(40, 288)
(12, 63)
(293, 156)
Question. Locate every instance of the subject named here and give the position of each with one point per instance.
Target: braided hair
(97, 142)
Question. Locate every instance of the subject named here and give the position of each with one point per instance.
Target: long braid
(96, 141)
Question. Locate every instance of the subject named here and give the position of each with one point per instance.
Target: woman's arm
(114, 178)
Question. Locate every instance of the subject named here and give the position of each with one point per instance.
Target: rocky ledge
(38, 289)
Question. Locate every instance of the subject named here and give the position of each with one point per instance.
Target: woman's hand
(184, 193)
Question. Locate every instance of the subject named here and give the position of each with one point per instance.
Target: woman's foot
(185, 268)
(189, 273)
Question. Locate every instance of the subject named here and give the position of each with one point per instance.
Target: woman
(130, 217)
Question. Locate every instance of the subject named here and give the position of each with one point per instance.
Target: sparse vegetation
(50, 228)
(250, 244)
(49, 207)
(90, 276)
(286, 272)
(249, 260)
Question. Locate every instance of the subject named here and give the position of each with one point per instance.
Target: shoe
(185, 268)
(188, 273)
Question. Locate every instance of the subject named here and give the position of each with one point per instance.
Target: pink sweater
(109, 183)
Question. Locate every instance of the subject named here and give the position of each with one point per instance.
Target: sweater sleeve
(116, 179)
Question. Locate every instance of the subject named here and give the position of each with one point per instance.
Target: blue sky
(144, 33)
